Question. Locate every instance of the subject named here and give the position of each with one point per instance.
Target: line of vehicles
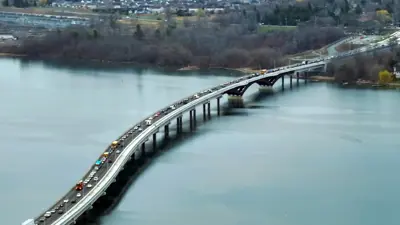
(118, 145)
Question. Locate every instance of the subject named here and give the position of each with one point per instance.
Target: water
(318, 155)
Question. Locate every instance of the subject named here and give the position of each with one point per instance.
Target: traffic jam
(118, 145)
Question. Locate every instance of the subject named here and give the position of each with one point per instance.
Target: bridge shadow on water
(138, 164)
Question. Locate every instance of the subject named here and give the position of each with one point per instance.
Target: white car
(78, 195)
(66, 200)
(89, 185)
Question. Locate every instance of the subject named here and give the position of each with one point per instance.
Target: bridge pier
(179, 125)
(236, 101)
(283, 82)
(265, 89)
(192, 119)
(291, 81)
(204, 111)
(209, 110)
(218, 106)
(143, 151)
(166, 132)
(297, 78)
(306, 77)
(154, 142)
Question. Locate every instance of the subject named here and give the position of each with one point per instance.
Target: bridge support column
(265, 89)
(283, 82)
(194, 118)
(179, 125)
(166, 131)
(191, 119)
(143, 151)
(297, 78)
(204, 112)
(291, 81)
(235, 101)
(154, 142)
(306, 77)
(218, 106)
(209, 110)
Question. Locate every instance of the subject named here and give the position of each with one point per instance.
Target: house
(396, 72)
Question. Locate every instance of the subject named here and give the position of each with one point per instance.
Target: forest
(366, 67)
(203, 43)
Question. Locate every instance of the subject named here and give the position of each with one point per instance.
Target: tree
(157, 33)
(383, 16)
(139, 33)
(385, 77)
(43, 2)
(358, 10)
(200, 13)
(258, 16)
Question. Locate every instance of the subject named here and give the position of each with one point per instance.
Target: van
(148, 122)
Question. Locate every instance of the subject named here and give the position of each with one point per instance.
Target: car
(157, 114)
(60, 211)
(135, 128)
(53, 211)
(110, 161)
(73, 201)
(97, 168)
(66, 201)
(95, 178)
(130, 132)
(78, 195)
(140, 129)
(89, 185)
(47, 214)
(62, 205)
(118, 151)
(42, 219)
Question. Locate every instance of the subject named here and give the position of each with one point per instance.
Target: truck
(79, 186)
(304, 62)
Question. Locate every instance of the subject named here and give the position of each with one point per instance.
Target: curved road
(59, 213)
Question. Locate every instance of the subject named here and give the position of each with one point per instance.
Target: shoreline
(245, 70)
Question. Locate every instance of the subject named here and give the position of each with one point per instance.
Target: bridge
(127, 155)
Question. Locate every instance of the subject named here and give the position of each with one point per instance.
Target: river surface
(317, 155)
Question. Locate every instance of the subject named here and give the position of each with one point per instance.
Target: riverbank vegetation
(202, 43)
(370, 69)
